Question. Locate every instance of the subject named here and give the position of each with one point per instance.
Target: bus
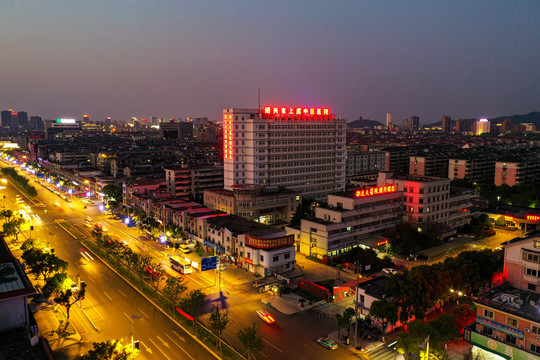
(182, 266)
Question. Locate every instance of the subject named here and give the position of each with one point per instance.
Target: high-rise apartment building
(36, 123)
(414, 123)
(446, 120)
(389, 124)
(465, 125)
(302, 149)
(482, 126)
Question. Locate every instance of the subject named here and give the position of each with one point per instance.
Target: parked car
(184, 249)
(266, 317)
(327, 343)
(389, 271)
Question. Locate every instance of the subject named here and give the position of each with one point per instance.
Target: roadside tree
(173, 290)
(110, 350)
(250, 339)
(193, 303)
(386, 312)
(219, 320)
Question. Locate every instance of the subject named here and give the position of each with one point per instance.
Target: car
(327, 343)
(184, 249)
(266, 317)
(389, 271)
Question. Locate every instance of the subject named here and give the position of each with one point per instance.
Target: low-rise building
(507, 324)
(264, 204)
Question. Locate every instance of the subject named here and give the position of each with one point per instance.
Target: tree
(12, 227)
(6, 272)
(97, 234)
(218, 322)
(140, 265)
(36, 244)
(386, 312)
(406, 345)
(344, 320)
(157, 275)
(193, 304)
(113, 194)
(252, 342)
(56, 285)
(64, 298)
(464, 316)
(446, 325)
(110, 350)
(44, 263)
(174, 288)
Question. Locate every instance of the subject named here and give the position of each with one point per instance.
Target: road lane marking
(107, 295)
(160, 349)
(91, 279)
(275, 347)
(180, 337)
(104, 277)
(164, 343)
(167, 335)
(263, 354)
(143, 313)
(122, 293)
(130, 319)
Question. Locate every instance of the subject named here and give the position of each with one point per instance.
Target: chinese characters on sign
(262, 243)
(533, 217)
(296, 113)
(375, 191)
(227, 137)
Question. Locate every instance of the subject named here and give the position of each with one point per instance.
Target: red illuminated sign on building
(248, 261)
(262, 243)
(508, 218)
(227, 137)
(533, 217)
(296, 113)
(375, 191)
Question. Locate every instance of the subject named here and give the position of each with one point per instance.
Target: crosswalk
(384, 352)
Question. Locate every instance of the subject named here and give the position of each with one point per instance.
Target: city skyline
(182, 59)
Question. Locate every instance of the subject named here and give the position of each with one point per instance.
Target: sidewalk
(286, 303)
(48, 324)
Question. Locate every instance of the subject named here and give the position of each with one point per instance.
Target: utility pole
(356, 270)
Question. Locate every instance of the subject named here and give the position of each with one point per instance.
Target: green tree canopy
(110, 350)
(251, 341)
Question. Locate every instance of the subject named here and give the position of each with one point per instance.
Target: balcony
(496, 344)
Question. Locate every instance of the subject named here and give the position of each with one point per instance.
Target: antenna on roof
(259, 100)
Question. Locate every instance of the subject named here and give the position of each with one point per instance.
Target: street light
(133, 317)
(79, 274)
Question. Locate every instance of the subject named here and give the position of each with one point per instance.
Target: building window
(531, 287)
(275, 258)
(249, 255)
(511, 322)
(535, 348)
(487, 331)
(510, 339)
(531, 272)
(535, 329)
(286, 256)
(488, 314)
(262, 258)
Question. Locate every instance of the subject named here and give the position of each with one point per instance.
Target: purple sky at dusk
(360, 58)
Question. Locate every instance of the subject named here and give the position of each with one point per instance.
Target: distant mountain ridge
(363, 123)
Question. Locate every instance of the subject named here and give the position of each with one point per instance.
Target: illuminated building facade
(483, 126)
(348, 219)
(302, 149)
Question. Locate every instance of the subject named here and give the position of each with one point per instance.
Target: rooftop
(375, 287)
(240, 225)
(507, 298)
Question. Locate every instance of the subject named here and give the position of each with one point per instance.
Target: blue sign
(209, 263)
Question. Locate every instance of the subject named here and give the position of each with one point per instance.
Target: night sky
(360, 58)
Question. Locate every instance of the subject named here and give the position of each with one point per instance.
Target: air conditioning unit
(519, 346)
(527, 330)
(501, 338)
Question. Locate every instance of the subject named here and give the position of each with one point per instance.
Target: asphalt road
(110, 302)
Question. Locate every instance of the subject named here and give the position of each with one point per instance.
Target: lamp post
(356, 270)
(133, 317)
(79, 274)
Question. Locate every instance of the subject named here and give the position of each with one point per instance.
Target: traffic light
(31, 227)
(136, 344)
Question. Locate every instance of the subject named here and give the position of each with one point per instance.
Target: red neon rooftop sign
(282, 112)
(533, 217)
(375, 191)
